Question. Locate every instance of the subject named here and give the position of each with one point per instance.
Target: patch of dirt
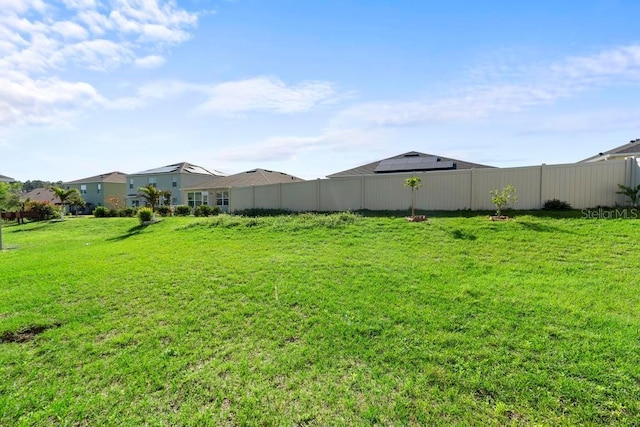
(26, 334)
(226, 404)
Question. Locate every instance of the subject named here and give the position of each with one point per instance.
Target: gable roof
(412, 161)
(246, 179)
(4, 178)
(631, 148)
(42, 195)
(111, 177)
(183, 167)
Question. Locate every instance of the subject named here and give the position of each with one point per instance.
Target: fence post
(319, 196)
(363, 197)
(542, 181)
(472, 192)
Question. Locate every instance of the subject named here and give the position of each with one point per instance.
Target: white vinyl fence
(583, 185)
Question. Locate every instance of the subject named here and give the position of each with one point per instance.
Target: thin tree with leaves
(65, 197)
(415, 182)
(152, 195)
(632, 193)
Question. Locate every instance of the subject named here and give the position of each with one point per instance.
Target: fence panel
(449, 191)
(345, 194)
(241, 198)
(268, 196)
(581, 184)
(300, 196)
(586, 185)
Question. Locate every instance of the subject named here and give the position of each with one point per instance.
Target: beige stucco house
(107, 189)
(216, 192)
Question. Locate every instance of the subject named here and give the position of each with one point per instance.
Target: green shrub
(100, 212)
(45, 211)
(112, 213)
(556, 205)
(127, 212)
(182, 210)
(145, 215)
(203, 210)
(260, 212)
(164, 210)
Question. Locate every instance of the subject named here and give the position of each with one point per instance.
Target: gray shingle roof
(113, 177)
(42, 195)
(412, 161)
(246, 179)
(632, 147)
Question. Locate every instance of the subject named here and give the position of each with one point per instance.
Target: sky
(311, 88)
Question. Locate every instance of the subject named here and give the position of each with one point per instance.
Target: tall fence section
(583, 185)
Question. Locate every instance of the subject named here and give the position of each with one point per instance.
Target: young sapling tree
(502, 199)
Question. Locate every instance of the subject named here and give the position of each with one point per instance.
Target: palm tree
(415, 183)
(152, 195)
(65, 196)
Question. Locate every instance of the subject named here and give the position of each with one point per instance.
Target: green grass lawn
(317, 320)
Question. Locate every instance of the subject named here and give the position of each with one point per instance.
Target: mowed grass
(321, 320)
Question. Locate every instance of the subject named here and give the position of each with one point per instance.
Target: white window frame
(222, 198)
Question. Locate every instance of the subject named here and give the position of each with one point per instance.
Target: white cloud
(266, 94)
(99, 54)
(21, 6)
(151, 61)
(39, 40)
(43, 101)
(70, 30)
(241, 96)
(80, 4)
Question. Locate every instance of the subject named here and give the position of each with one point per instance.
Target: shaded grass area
(322, 319)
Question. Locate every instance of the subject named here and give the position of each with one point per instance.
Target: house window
(153, 182)
(131, 184)
(99, 188)
(194, 198)
(174, 201)
(83, 189)
(222, 198)
(205, 198)
(174, 184)
(135, 203)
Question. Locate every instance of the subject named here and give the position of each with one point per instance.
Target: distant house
(630, 149)
(171, 178)
(6, 179)
(216, 191)
(412, 161)
(108, 189)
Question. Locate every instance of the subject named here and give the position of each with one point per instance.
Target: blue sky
(311, 88)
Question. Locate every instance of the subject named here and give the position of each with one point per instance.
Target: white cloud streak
(285, 148)
(516, 93)
(241, 96)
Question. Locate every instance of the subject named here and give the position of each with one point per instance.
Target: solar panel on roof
(413, 164)
(163, 169)
(196, 169)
